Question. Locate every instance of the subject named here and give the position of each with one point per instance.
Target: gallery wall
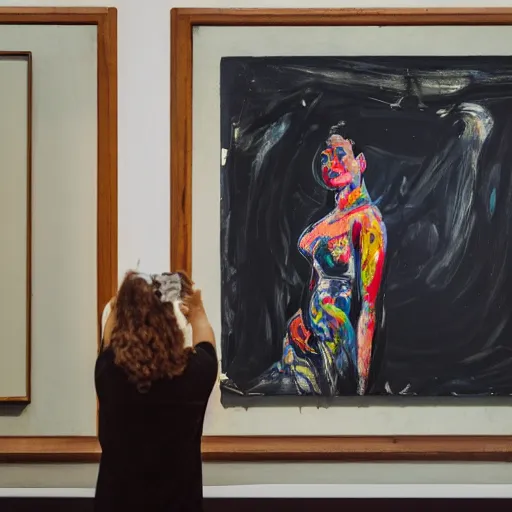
(144, 231)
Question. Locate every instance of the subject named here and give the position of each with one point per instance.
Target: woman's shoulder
(203, 364)
(204, 355)
(207, 348)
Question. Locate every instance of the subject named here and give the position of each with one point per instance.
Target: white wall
(143, 28)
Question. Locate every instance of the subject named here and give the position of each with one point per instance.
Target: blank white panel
(64, 220)
(14, 225)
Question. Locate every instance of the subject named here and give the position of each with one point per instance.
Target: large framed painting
(58, 228)
(341, 194)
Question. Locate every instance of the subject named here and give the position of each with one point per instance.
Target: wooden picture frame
(63, 448)
(25, 399)
(348, 448)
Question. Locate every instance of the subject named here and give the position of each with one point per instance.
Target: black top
(151, 442)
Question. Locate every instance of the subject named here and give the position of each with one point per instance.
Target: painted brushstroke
(396, 284)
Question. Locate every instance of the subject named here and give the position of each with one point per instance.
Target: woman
(330, 341)
(153, 391)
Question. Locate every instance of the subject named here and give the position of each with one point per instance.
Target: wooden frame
(26, 398)
(83, 449)
(363, 448)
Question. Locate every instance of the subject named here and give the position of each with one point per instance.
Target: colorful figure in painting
(330, 342)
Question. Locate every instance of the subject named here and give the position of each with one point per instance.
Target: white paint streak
(478, 124)
(271, 137)
(224, 156)
(435, 82)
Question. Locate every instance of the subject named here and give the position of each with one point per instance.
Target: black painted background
(448, 284)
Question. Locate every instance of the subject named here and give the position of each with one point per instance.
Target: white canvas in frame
(14, 142)
(210, 44)
(64, 229)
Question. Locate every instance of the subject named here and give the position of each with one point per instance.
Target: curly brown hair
(146, 339)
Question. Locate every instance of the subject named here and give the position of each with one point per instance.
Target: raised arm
(201, 327)
(372, 248)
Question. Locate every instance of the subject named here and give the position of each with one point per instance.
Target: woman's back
(153, 390)
(151, 442)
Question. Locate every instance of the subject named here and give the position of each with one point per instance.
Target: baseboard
(280, 504)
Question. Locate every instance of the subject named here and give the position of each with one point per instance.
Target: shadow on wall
(12, 409)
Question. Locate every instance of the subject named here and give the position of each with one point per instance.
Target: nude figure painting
(366, 220)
